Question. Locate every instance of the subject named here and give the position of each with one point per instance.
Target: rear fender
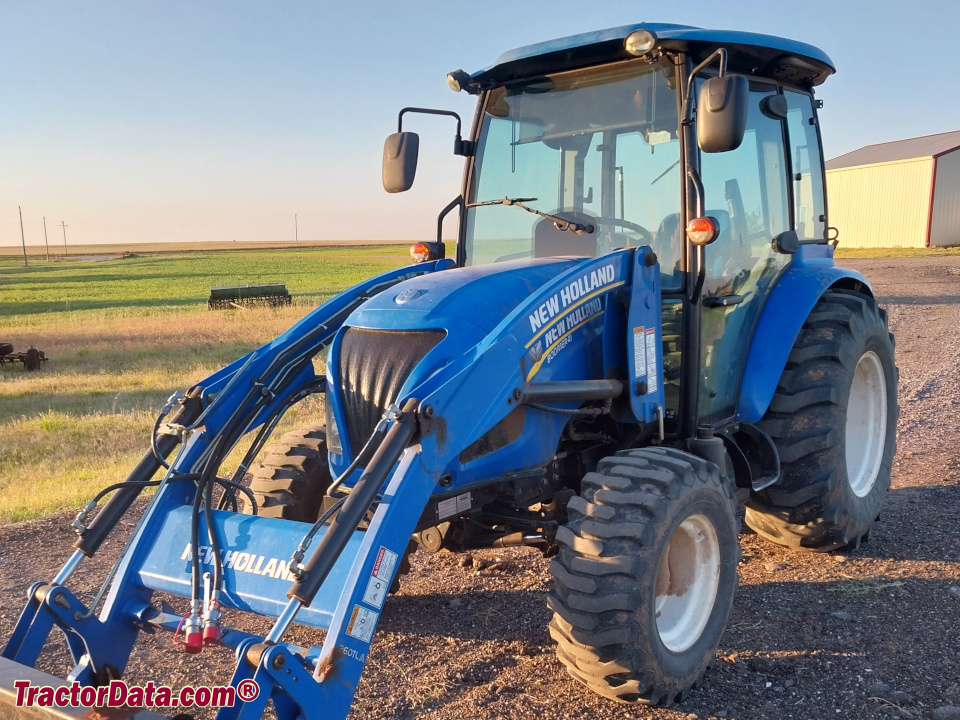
(811, 273)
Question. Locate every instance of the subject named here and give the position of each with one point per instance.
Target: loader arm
(238, 398)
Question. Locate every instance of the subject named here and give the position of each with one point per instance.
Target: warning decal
(362, 623)
(639, 353)
(454, 506)
(379, 583)
(651, 360)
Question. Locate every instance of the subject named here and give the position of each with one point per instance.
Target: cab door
(746, 191)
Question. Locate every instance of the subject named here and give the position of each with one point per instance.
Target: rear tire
(294, 476)
(834, 422)
(646, 575)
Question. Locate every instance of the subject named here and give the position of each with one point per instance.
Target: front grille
(374, 365)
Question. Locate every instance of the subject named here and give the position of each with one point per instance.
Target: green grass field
(121, 336)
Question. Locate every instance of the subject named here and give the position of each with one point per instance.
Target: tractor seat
(549, 241)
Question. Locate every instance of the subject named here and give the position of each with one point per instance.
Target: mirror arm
(460, 146)
(456, 202)
(688, 100)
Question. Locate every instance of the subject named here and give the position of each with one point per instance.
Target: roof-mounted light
(460, 80)
(640, 43)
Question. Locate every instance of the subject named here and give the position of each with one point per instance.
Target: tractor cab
(702, 145)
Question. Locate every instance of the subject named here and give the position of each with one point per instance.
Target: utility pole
(23, 240)
(64, 226)
(296, 230)
(45, 243)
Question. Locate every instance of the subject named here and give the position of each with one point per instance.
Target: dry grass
(84, 419)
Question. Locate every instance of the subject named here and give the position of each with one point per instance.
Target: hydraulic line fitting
(211, 613)
(192, 636)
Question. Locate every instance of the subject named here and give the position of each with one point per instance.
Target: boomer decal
(558, 336)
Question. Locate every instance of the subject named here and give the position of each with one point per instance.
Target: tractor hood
(478, 296)
(400, 337)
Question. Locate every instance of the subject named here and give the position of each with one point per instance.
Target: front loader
(642, 327)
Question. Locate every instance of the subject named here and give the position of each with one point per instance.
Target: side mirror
(722, 113)
(400, 161)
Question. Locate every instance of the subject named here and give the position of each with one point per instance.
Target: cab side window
(746, 191)
(807, 166)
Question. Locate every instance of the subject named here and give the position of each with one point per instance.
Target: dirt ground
(874, 633)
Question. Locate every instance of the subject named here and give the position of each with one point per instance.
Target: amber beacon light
(702, 230)
(420, 252)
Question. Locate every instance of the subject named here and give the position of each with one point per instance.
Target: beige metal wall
(882, 205)
(945, 221)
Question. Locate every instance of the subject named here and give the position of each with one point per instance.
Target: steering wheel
(644, 234)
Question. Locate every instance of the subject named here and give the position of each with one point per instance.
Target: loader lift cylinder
(322, 560)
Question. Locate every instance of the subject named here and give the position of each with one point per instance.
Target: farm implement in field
(642, 326)
(31, 359)
(238, 296)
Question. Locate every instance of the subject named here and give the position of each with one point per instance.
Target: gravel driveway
(873, 633)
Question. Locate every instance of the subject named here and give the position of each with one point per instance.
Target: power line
(45, 243)
(64, 226)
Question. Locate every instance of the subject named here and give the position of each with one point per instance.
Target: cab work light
(640, 42)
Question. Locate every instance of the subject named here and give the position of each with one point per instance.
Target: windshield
(598, 148)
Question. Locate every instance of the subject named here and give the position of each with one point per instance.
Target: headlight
(333, 434)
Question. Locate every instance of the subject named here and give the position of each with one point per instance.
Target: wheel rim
(866, 427)
(687, 582)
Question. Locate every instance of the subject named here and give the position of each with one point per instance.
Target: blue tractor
(642, 328)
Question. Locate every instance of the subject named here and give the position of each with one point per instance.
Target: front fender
(811, 273)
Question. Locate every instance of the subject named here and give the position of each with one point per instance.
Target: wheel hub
(687, 583)
(866, 425)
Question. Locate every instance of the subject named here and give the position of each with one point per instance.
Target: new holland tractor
(641, 328)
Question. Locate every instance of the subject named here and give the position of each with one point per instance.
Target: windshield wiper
(558, 222)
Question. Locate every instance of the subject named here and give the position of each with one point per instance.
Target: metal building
(897, 194)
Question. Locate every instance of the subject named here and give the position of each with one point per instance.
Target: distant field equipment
(273, 294)
(31, 359)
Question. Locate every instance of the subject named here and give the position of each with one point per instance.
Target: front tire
(646, 575)
(291, 481)
(834, 422)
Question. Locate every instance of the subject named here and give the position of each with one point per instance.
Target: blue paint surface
(810, 274)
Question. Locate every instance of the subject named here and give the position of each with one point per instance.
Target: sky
(136, 121)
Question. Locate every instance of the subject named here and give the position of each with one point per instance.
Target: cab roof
(766, 55)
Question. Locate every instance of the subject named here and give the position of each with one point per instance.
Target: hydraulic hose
(355, 506)
(362, 457)
(117, 506)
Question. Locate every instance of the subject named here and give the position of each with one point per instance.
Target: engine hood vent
(373, 366)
